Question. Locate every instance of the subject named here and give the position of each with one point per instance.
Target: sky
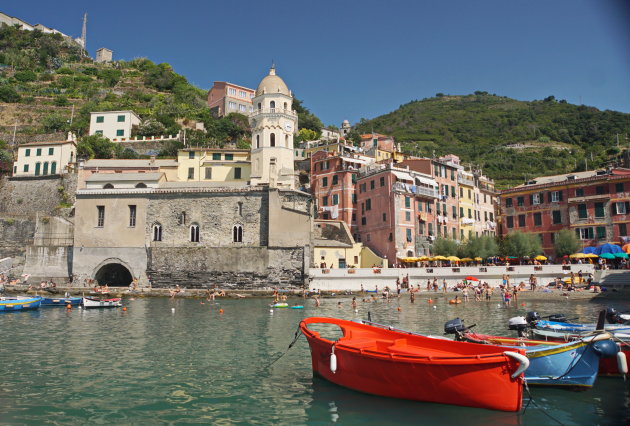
(348, 59)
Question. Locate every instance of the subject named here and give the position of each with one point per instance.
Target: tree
(566, 242)
(484, 246)
(8, 94)
(306, 119)
(151, 127)
(307, 135)
(444, 247)
(97, 146)
(54, 123)
(520, 244)
(355, 137)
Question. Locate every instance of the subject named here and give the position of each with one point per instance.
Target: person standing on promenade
(444, 286)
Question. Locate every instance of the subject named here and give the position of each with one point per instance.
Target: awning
(402, 175)
(425, 181)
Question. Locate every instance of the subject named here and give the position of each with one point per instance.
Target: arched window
(157, 232)
(257, 141)
(237, 234)
(272, 104)
(286, 140)
(194, 233)
(108, 186)
(285, 106)
(182, 218)
(45, 172)
(259, 105)
(272, 139)
(37, 168)
(239, 208)
(53, 168)
(141, 185)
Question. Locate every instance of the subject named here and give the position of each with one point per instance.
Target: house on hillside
(114, 125)
(45, 158)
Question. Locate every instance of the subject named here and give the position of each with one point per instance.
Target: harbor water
(182, 361)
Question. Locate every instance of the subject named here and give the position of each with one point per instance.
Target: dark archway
(113, 274)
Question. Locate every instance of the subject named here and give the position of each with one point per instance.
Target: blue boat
(573, 364)
(569, 364)
(578, 328)
(61, 301)
(19, 303)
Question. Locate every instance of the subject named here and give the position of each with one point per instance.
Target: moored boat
(61, 301)
(19, 303)
(91, 302)
(394, 363)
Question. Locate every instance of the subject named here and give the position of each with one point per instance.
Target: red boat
(382, 361)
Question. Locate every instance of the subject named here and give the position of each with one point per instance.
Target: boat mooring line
(298, 332)
(531, 400)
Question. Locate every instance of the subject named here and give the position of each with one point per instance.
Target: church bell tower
(273, 124)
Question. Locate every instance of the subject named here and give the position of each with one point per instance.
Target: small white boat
(92, 302)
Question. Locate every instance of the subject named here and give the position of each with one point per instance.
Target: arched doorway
(113, 274)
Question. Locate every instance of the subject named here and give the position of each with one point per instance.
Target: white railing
(418, 190)
(274, 111)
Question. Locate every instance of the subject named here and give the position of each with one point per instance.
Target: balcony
(419, 190)
(276, 111)
(464, 181)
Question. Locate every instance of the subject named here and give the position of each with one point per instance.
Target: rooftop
(47, 143)
(131, 164)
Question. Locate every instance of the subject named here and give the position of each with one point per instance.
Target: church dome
(272, 84)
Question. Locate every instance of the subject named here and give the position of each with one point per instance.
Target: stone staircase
(617, 279)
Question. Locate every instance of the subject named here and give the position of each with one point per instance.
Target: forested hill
(510, 140)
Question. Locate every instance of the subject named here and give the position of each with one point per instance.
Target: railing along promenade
(352, 278)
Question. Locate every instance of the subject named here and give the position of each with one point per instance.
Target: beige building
(114, 125)
(273, 124)
(167, 167)
(45, 158)
(103, 55)
(214, 165)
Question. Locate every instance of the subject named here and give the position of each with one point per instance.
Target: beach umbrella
(540, 257)
(607, 256)
(608, 248)
(423, 258)
(471, 279)
(587, 250)
(438, 258)
(453, 258)
(478, 259)
(591, 255)
(466, 259)
(577, 256)
(626, 248)
(621, 255)
(407, 259)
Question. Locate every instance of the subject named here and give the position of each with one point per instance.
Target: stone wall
(144, 148)
(43, 195)
(244, 268)
(15, 235)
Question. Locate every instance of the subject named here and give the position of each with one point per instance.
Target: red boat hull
(389, 367)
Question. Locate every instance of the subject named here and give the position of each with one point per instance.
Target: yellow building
(334, 247)
(467, 213)
(214, 165)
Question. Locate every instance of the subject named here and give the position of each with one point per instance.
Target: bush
(54, 123)
(65, 70)
(61, 101)
(25, 76)
(8, 94)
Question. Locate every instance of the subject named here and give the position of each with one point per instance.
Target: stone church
(131, 221)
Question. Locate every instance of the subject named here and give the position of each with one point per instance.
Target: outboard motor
(558, 318)
(531, 317)
(455, 326)
(612, 316)
(519, 324)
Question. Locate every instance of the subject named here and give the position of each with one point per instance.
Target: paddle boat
(558, 322)
(91, 302)
(279, 305)
(573, 364)
(61, 301)
(383, 361)
(19, 303)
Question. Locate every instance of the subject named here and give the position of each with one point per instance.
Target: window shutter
(549, 196)
(560, 195)
(590, 233)
(531, 199)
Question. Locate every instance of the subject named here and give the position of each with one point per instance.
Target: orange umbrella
(626, 248)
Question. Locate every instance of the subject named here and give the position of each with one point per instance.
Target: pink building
(333, 178)
(395, 214)
(370, 141)
(225, 98)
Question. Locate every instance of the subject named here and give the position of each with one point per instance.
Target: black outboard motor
(558, 318)
(519, 324)
(612, 316)
(455, 326)
(531, 317)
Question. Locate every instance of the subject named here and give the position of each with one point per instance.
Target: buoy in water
(522, 304)
(430, 301)
(271, 311)
(221, 310)
(398, 309)
(124, 309)
(68, 306)
(173, 310)
(434, 307)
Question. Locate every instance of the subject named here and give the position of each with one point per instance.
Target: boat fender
(522, 360)
(622, 363)
(606, 348)
(333, 361)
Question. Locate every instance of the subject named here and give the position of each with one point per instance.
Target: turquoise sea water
(153, 365)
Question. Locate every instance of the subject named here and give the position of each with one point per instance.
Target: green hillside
(510, 140)
(47, 86)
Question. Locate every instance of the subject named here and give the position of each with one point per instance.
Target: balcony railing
(417, 190)
(465, 181)
(273, 111)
